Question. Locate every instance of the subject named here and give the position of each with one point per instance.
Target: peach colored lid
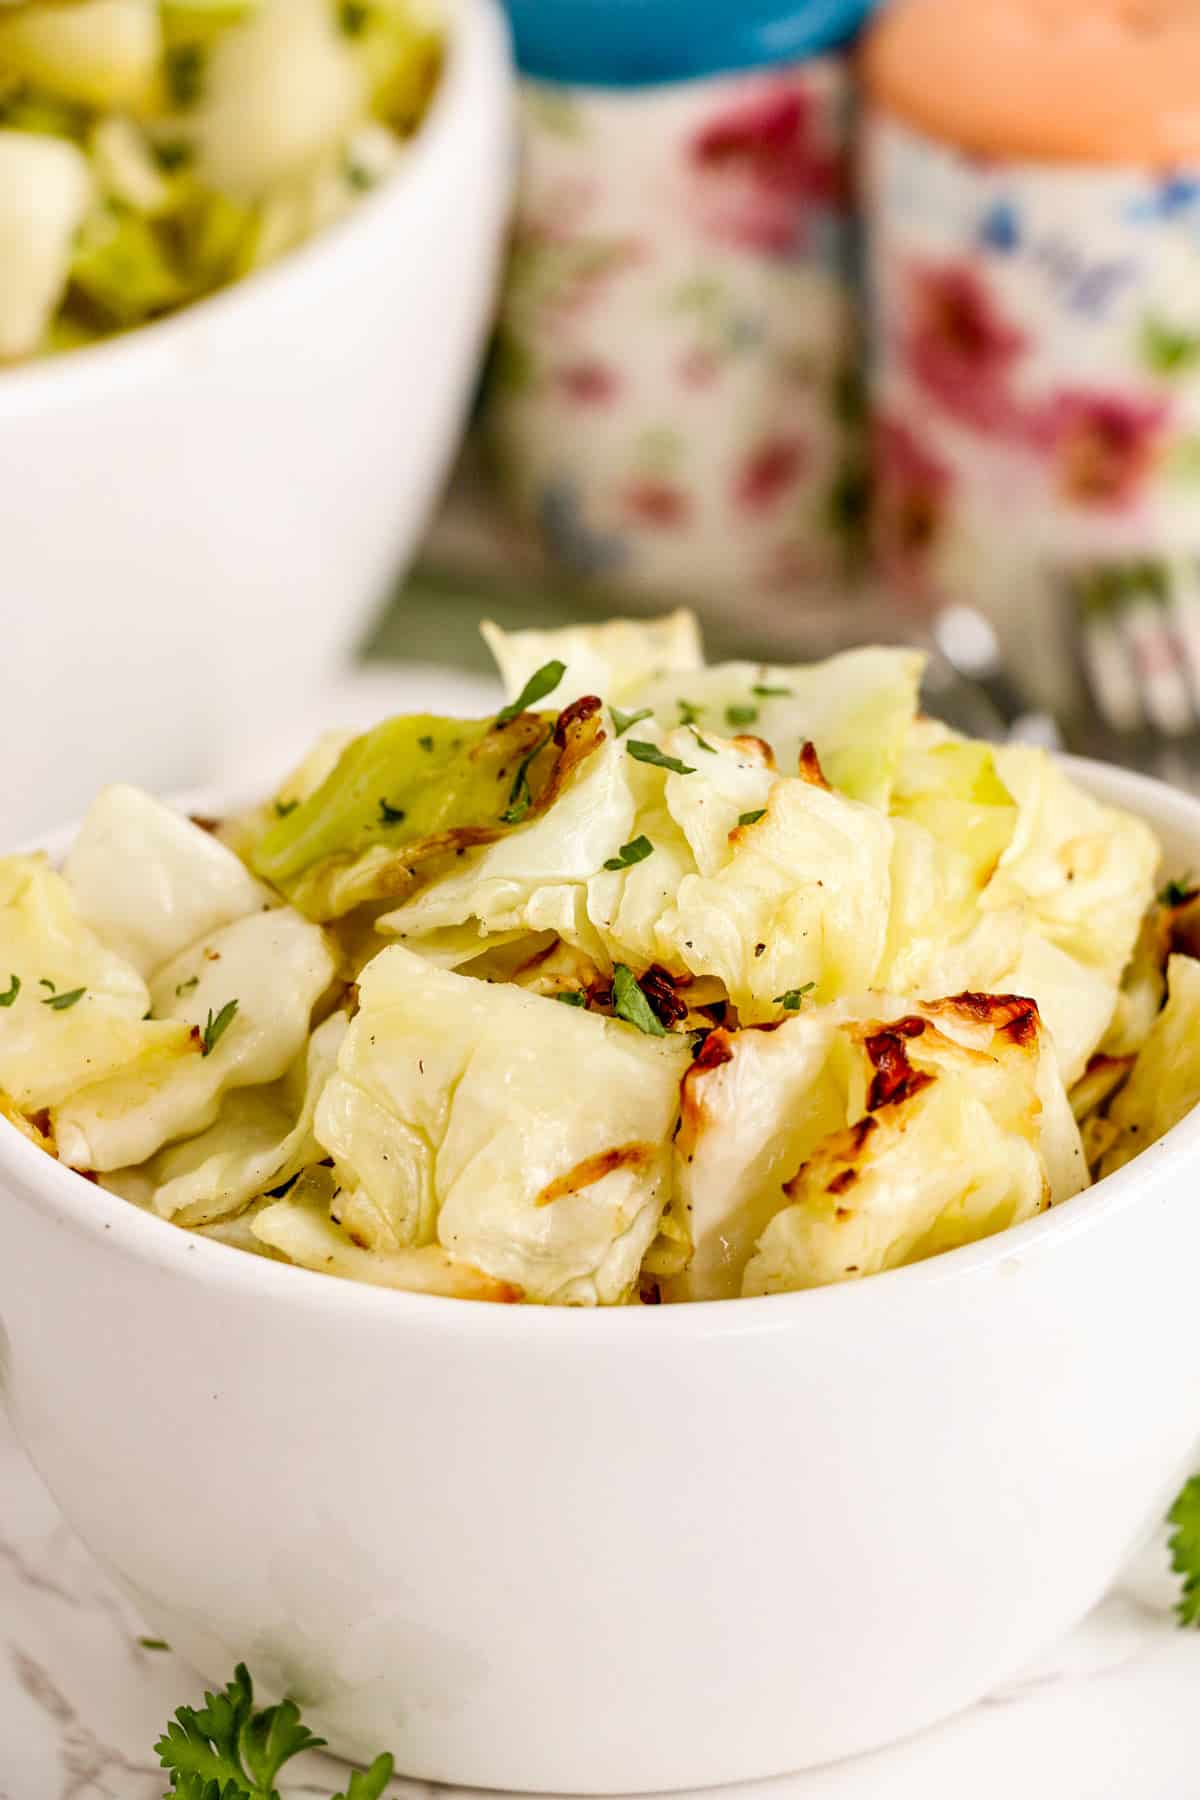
(1112, 81)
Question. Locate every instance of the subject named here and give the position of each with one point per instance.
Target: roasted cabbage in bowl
(667, 983)
(153, 151)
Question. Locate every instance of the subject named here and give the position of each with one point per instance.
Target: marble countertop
(1110, 1716)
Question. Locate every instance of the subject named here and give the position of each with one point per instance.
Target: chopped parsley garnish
(623, 720)
(543, 681)
(391, 815)
(1185, 1550)
(215, 1027)
(636, 851)
(701, 741)
(752, 818)
(793, 1000)
(425, 743)
(520, 798)
(14, 988)
(650, 753)
(359, 178)
(741, 715)
(284, 807)
(185, 73)
(45, 981)
(689, 713)
(185, 987)
(772, 693)
(1176, 892)
(572, 997)
(630, 1004)
(61, 1002)
(154, 1643)
(172, 156)
(224, 1750)
(353, 16)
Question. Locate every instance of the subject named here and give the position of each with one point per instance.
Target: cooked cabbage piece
(72, 1010)
(1085, 871)
(300, 1228)
(149, 882)
(45, 190)
(415, 791)
(612, 660)
(860, 1136)
(99, 53)
(856, 709)
(244, 996)
(798, 901)
(1165, 1080)
(261, 1139)
(532, 878)
(530, 1140)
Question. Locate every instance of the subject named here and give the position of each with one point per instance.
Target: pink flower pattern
(589, 382)
(960, 350)
(662, 408)
(1103, 446)
(661, 504)
(912, 494)
(771, 470)
(763, 169)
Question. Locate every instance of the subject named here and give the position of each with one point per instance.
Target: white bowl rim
(468, 24)
(93, 1212)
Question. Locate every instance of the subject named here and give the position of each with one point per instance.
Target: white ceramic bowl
(627, 1549)
(198, 519)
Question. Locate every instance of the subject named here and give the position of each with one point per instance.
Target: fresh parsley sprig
(650, 753)
(520, 797)
(623, 720)
(793, 1000)
(215, 1027)
(225, 1750)
(543, 681)
(1177, 891)
(631, 1004)
(635, 851)
(1185, 1550)
(62, 1002)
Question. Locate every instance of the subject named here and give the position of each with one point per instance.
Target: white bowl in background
(198, 518)
(621, 1550)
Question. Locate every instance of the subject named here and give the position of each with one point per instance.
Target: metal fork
(1134, 627)
(1133, 632)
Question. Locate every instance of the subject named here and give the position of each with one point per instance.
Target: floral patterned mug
(672, 407)
(1036, 311)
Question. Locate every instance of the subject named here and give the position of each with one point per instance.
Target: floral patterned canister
(1036, 315)
(673, 407)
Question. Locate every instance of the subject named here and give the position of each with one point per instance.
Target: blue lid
(635, 43)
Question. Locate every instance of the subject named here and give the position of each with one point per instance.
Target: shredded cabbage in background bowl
(670, 982)
(153, 151)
